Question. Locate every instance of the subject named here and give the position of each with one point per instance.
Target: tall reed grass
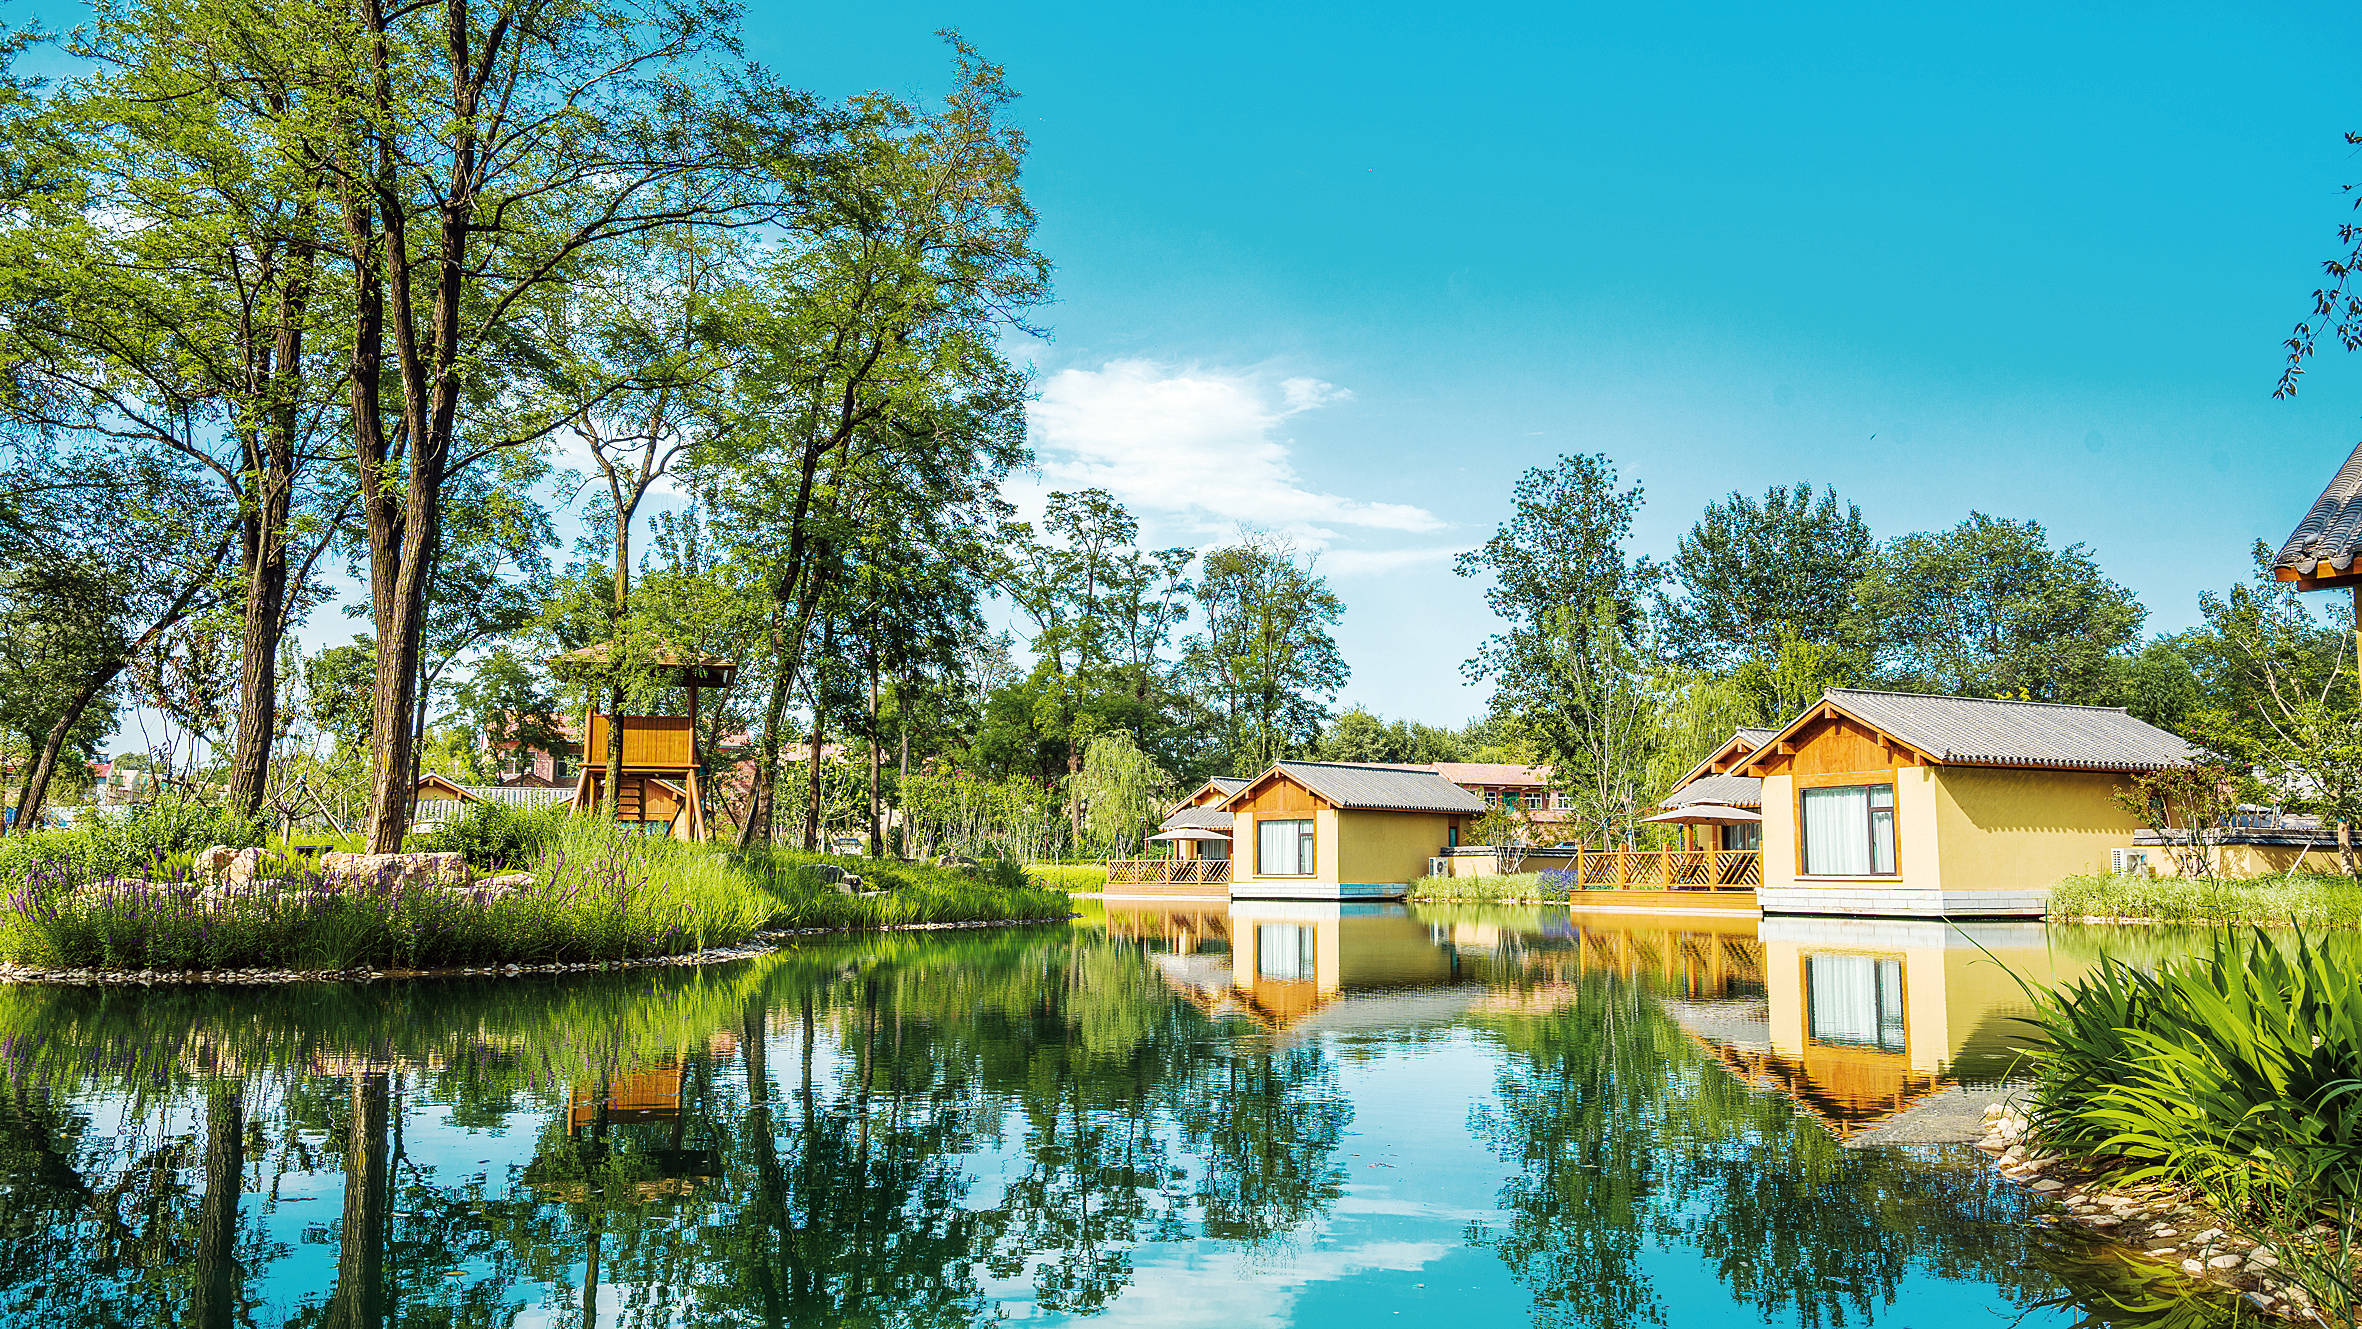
(2310, 899)
(597, 892)
(1519, 887)
(2236, 1073)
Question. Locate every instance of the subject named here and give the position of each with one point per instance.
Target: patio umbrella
(1189, 833)
(1708, 814)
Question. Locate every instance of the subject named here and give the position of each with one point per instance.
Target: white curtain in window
(1841, 992)
(1837, 832)
(1283, 952)
(1275, 847)
(1856, 1000)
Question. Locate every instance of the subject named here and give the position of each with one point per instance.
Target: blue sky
(1346, 271)
(1383, 258)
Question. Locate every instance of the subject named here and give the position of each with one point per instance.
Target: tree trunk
(812, 806)
(877, 761)
(358, 1301)
(273, 464)
(265, 544)
(213, 1299)
(614, 791)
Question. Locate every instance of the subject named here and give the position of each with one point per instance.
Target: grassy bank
(1067, 876)
(2307, 899)
(595, 893)
(1515, 888)
(2236, 1074)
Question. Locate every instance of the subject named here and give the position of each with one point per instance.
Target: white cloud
(1199, 447)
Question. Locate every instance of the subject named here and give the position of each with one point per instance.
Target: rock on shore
(2154, 1222)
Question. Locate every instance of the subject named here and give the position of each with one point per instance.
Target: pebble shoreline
(762, 943)
(2155, 1223)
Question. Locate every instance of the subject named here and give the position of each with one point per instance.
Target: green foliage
(2310, 899)
(1066, 876)
(493, 836)
(1122, 792)
(797, 896)
(1756, 576)
(1511, 888)
(1355, 734)
(1989, 609)
(165, 831)
(2236, 1073)
(1573, 661)
(1266, 666)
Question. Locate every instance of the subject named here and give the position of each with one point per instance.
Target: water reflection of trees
(891, 1124)
(1625, 1138)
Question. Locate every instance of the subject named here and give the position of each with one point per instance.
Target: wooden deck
(1168, 878)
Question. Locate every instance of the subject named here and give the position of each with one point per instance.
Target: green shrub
(1521, 887)
(167, 831)
(494, 836)
(2236, 1073)
(1065, 876)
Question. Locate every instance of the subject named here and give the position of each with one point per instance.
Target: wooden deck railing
(1169, 871)
(1669, 869)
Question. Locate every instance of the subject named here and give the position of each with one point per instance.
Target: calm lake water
(1261, 1115)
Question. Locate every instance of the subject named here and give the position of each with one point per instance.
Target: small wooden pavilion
(2319, 554)
(662, 786)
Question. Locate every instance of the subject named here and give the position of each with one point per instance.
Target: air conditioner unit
(1439, 867)
(2128, 862)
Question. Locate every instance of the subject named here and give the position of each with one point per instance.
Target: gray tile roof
(2332, 532)
(1383, 788)
(1976, 731)
(1203, 818)
(1739, 791)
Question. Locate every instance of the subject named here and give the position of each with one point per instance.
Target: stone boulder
(439, 869)
(244, 867)
(213, 864)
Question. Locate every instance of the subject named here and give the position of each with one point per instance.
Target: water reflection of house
(1867, 1020)
(645, 1110)
(1299, 967)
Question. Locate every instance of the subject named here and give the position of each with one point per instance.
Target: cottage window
(1849, 830)
(1283, 848)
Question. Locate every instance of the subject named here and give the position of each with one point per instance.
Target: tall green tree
(889, 290)
(1267, 665)
(1570, 668)
(1355, 734)
(1989, 609)
(1103, 610)
(170, 300)
(1753, 575)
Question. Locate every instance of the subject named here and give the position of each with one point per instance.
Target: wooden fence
(1669, 869)
(1169, 871)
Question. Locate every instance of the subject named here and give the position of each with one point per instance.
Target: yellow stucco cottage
(1325, 830)
(1902, 805)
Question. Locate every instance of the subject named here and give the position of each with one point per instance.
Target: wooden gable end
(1731, 757)
(1830, 742)
(1275, 795)
(438, 787)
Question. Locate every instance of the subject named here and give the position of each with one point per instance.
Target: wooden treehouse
(662, 785)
